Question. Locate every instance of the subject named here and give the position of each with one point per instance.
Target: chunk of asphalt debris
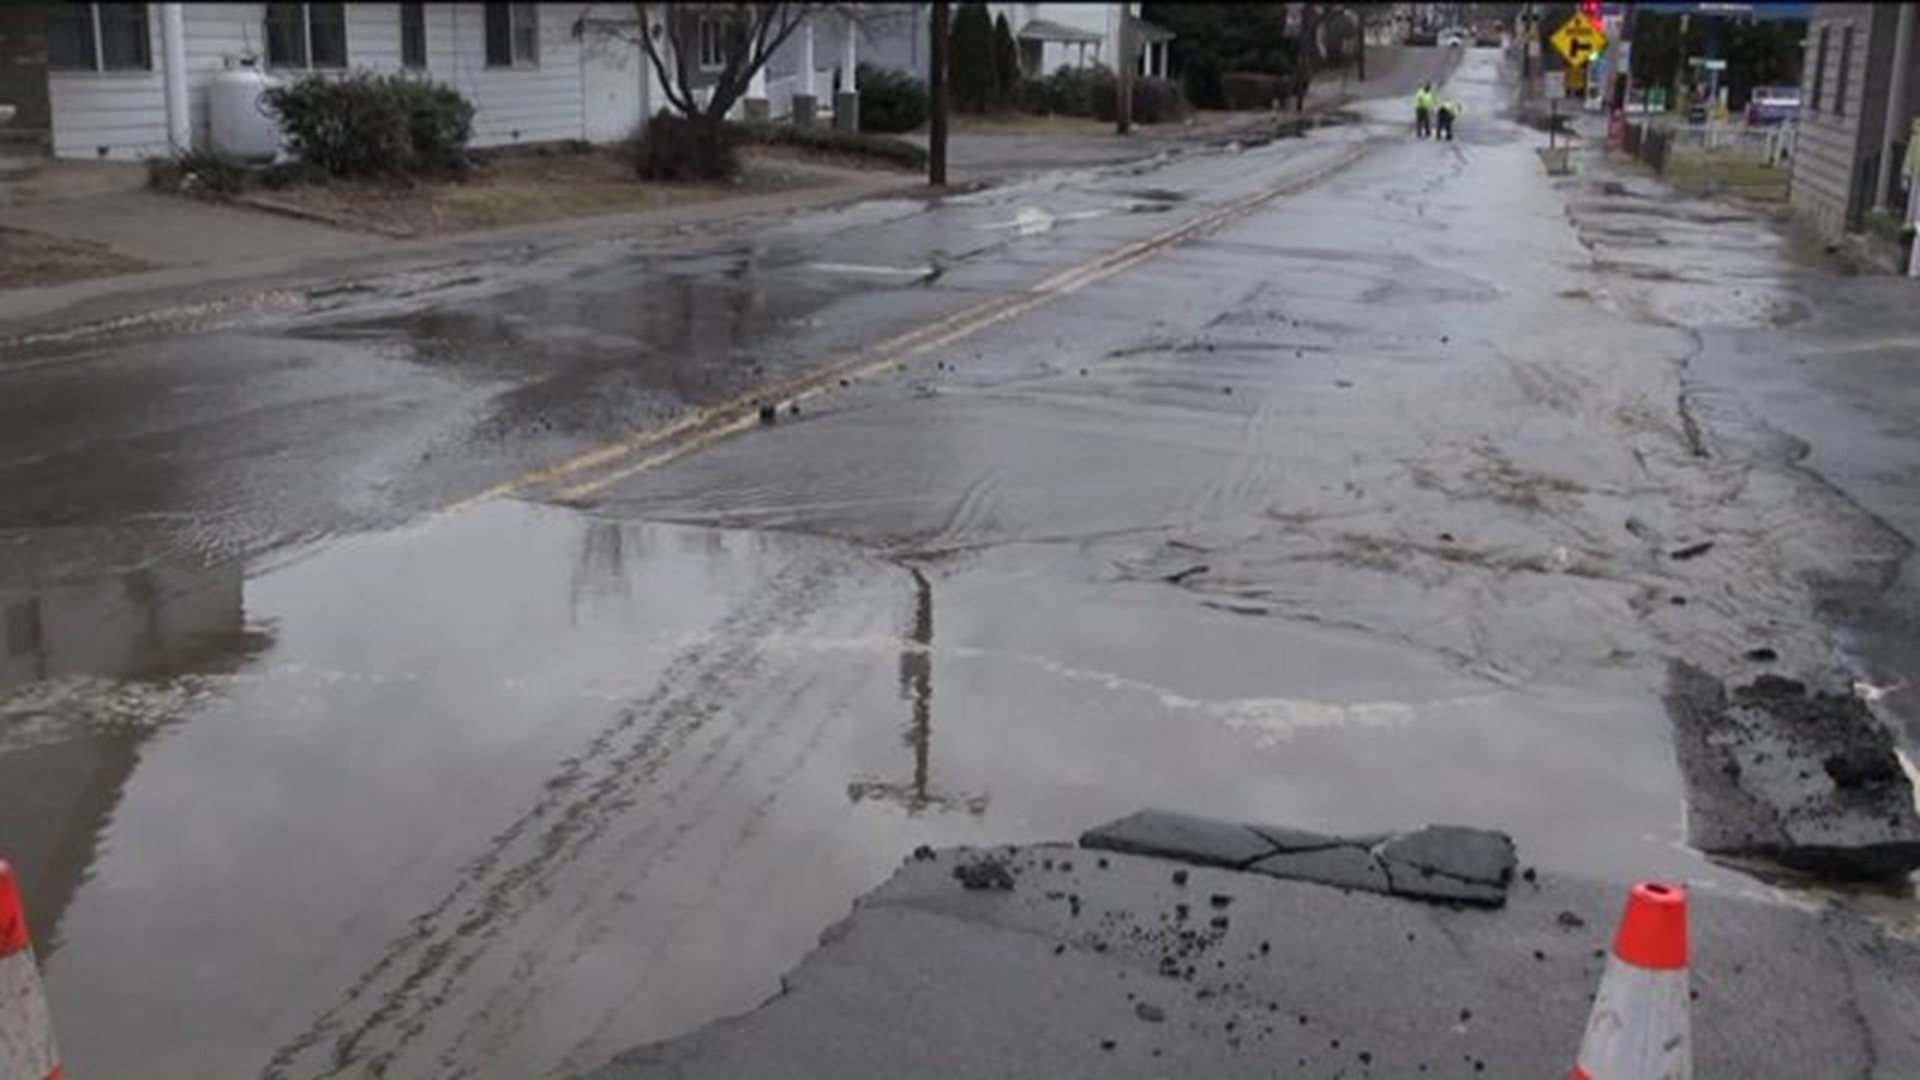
(1569, 921)
(1220, 900)
(985, 874)
(1284, 838)
(1346, 867)
(769, 413)
(923, 853)
(1805, 779)
(1691, 551)
(1183, 574)
(1419, 883)
(1179, 836)
(1474, 855)
(1152, 1014)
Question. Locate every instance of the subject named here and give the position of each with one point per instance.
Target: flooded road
(1340, 481)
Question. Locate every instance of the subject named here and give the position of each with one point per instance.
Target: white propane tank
(238, 124)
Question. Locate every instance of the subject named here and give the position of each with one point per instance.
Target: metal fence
(1654, 143)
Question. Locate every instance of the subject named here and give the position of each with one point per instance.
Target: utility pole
(1123, 81)
(1359, 12)
(937, 77)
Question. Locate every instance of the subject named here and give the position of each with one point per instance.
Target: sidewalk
(169, 231)
(207, 253)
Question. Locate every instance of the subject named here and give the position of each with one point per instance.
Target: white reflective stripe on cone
(26, 1027)
(1639, 1028)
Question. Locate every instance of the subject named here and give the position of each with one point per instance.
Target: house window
(413, 35)
(1819, 72)
(713, 43)
(99, 37)
(1846, 69)
(307, 35)
(513, 35)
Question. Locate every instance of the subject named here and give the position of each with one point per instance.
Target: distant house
(97, 75)
(1048, 36)
(94, 80)
(1856, 111)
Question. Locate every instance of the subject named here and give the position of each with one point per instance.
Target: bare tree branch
(750, 34)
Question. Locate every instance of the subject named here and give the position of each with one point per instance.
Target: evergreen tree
(972, 75)
(1006, 63)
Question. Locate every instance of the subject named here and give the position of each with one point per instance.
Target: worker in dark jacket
(1447, 112)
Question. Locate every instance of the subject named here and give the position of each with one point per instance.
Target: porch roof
(1048, 30)
(1147, 33)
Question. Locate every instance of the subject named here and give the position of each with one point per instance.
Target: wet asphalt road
(1355, 511)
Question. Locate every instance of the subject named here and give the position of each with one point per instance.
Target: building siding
(119, 115)
(522, 104)
(122, 115)
(1838, 146)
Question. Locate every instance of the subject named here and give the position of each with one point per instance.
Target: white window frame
(306, 41)
(520, 16)
(712, 43)
(99, 66)
(419, 11)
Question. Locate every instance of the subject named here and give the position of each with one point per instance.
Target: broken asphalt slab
(1444, 863)
(1106, 967)
(1808, 780)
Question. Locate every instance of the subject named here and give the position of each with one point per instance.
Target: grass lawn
(29, 259)
(1727, 173)
(1028, 124)
(530, 187)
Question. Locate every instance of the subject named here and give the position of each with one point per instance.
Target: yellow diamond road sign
(1578, 39)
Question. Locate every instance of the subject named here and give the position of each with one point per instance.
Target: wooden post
(937, 80)
(1123, 75)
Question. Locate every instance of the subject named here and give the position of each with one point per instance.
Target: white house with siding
(128, 81)
(1048, 36)
(534, 72)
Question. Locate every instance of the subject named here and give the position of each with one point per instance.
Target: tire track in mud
(490, 1029)
(589, 1047)
(384, 1011)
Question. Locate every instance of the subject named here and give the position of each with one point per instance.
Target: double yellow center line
(578, 478)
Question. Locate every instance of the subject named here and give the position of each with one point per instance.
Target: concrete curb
(301, 213)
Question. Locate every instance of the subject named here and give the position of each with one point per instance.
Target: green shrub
(1069, 91)
(439, 124)
(1155, 101)
(1006, 63)
(675, 147)
(371, 125)
(1251, 90)
(890, 101)
(880, 148)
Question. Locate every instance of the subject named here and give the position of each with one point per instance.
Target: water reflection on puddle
(515, 789)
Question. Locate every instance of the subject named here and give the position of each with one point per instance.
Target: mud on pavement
(1385, 502)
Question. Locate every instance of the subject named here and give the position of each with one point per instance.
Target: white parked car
(1453, 39)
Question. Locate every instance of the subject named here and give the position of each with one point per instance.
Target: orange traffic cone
(1639, 1029)
(26, 1027)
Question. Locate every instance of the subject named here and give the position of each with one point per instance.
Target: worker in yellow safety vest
(1423, 99)
(1448, 112)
